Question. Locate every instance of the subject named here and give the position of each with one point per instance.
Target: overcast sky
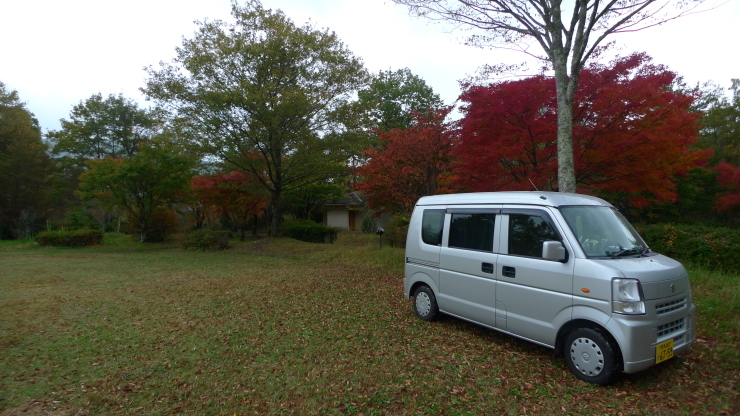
(58, 53)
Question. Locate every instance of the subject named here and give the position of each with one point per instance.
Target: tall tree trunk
(565, 90)
(142, 232)
(566, 164)
(275, 213)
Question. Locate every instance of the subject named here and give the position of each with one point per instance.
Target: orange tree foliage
(632, 134)
(235, 195)
(409, 163)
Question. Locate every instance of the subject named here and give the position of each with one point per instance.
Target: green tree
(568, 33)
(721, 122)
(98, 127)
(25, 169)
(706, 195)
(697, 193)
(305, 203)
(266, 97)
(393, 96)
(155, 177)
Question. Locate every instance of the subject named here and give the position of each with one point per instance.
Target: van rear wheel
(425, 304)
(590, 356)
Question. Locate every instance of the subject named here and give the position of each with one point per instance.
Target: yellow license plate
(664, 351)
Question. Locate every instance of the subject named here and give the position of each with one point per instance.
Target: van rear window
(431, 226)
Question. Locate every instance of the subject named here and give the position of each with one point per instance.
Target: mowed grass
(284, 327)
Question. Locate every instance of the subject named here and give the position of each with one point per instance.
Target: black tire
(590, 356)
(425, 304)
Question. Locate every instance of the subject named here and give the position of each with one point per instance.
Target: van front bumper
(638, 335)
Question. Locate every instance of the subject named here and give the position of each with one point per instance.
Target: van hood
(660, 276)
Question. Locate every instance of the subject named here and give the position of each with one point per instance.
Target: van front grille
(670, 306)
(671, 327)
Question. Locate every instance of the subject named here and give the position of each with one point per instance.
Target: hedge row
(712, 247)
(76, 238)
(310, 232)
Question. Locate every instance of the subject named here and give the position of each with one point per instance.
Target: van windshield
(604, 232)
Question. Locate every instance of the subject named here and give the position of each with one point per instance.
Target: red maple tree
(409, 163)
(728, 177)
(632, 133)
(234, 195)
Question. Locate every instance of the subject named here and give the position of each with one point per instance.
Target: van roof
(553, 199)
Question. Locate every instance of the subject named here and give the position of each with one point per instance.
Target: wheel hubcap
(423, 303)
(587, 356)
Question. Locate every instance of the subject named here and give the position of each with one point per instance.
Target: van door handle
(508, 271)
(486, 268)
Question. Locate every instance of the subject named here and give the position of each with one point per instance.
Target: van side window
(431, 226)
(472, 231)
(527, 233)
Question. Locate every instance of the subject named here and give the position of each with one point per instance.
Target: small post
(380, 233)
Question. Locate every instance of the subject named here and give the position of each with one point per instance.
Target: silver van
(566, 271)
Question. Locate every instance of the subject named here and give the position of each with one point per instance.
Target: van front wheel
(425, 304)
(590, 356)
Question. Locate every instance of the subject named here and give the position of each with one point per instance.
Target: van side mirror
(553, 250)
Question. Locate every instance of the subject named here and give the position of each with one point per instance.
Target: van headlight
(627, 297)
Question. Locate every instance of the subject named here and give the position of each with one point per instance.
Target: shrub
(161, 224)
(715, 248)
(79, 220)
(310, 232)
(206, 240)
(369, 225)
(76, 238)
(397, 229)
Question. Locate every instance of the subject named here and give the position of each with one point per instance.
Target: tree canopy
(98, 128)
(410, 163)
(265, 96)
(306, 202)
(633, 134)
(155, 177)
(392, 97)
(568, 34)
(235, 195)
(721, 122)
(25, 169)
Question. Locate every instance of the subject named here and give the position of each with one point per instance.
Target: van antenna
(535, 188)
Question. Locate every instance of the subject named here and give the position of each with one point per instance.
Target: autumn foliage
(409, 163)
(632, 134)
(728, 177)
(234, 195)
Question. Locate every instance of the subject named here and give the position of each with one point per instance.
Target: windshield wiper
(633, 250)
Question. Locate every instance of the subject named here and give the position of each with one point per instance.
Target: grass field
(284, 327)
